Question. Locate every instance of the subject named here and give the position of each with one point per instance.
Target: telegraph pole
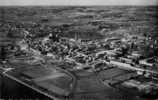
(2, 36)
(1, 76)
(2, 13)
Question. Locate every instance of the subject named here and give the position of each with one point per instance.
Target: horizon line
(78, 5)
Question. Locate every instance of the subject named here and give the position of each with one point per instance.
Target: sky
(78, 2)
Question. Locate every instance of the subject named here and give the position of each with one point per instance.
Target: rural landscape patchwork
(79, 52)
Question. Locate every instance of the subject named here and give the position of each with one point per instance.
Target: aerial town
(79, 53)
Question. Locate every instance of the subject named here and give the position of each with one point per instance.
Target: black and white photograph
(78, 49)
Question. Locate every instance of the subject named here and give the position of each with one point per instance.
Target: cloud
(78, 2)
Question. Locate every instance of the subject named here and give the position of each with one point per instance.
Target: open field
(88, 22)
